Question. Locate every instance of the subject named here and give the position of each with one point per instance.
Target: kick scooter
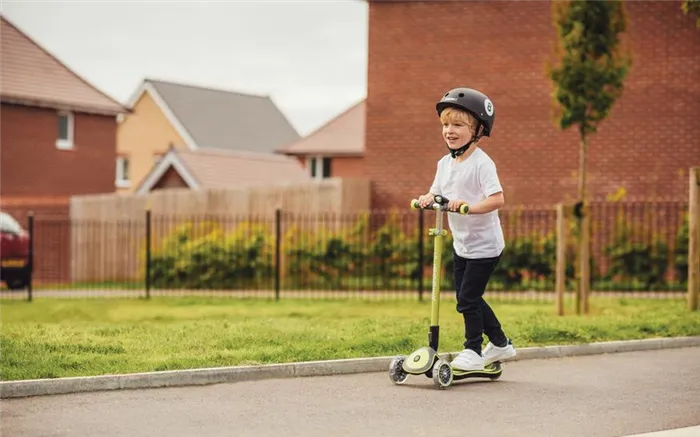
(426, 361)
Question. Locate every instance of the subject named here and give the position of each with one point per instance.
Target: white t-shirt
(472, 180)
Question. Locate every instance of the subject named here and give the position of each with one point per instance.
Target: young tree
(587, 81)
(692, 7)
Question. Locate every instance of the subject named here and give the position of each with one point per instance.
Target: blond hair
(454, 115)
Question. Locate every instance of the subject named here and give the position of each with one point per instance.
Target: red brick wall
(342, 166)
(419, 50)
(347, 167)
(31, 165)
(36, 176)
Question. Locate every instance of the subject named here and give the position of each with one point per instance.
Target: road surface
(604, 395)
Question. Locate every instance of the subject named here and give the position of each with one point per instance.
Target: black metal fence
(640, 247)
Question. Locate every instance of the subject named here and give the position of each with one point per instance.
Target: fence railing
(640, 247)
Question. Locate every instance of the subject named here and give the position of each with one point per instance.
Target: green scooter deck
(422, 360)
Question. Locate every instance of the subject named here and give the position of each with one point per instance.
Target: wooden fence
(106, 231)
(332, 196)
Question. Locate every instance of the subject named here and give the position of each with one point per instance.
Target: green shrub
(527, 259)
(359, 256)
(324, 258)
(203, 257)
(681, 251)
(632, 259)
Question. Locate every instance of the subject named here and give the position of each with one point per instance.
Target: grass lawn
(52, 338)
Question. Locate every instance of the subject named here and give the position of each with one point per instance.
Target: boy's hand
(454, 205)
(426, 200)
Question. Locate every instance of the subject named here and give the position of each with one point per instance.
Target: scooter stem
(439, 233)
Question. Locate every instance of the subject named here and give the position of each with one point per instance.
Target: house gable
(335, 149)
(209, 168)
(343, 135)
(147, 89)
(145, 134)
(164, 168)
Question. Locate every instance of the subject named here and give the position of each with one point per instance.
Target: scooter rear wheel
(442, 374)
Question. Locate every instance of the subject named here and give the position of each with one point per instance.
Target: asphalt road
(604, 395)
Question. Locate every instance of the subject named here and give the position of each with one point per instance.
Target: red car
(14, 253)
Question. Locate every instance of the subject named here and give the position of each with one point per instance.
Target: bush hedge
(365, 256)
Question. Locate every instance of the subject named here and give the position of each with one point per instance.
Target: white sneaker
(494, 353)
(468, 360)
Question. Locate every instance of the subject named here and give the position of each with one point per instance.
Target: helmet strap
(475, 137)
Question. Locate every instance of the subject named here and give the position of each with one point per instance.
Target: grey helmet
(474, 102)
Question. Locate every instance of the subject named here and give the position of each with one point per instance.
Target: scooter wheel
(396, 373)
(442, 374)
(498, 366)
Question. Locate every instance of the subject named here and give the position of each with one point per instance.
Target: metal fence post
(421, 259)
(148, 253)
(30, 229)
(278, 243)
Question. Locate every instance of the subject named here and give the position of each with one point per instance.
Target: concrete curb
(218, 375)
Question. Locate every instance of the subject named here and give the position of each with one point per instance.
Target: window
(319, 167)
(65, 131)
(123, 172)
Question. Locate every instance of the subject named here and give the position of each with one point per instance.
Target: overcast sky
(309, 56)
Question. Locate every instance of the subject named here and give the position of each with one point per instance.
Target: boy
(468, 176)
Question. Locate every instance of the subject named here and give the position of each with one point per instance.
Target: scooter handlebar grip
(415, 204)
(464, 209)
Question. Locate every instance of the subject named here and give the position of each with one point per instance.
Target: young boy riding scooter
(468, 176)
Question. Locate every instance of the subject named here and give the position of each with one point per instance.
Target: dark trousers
(471, 277)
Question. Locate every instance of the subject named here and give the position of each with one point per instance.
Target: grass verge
(52, 338)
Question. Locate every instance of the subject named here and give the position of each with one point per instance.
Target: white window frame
(309, 162)
(121, 181)
(66, 144)
(319, 165)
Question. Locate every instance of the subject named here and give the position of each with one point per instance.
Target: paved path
(606, 395)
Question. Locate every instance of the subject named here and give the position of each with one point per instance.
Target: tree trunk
(584, 234)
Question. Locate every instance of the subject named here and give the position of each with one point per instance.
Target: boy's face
(456, 128)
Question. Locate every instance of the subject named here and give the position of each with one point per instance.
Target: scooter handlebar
(440, 203)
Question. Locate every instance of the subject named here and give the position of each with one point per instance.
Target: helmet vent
(461, 94)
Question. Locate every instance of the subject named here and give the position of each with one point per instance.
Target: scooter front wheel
(396, 373)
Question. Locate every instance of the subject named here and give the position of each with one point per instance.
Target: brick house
(420, 49)
(336, 149)
(58, 139)
(58, 132)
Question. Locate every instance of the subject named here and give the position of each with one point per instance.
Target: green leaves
(692, 7)
(591, 72)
